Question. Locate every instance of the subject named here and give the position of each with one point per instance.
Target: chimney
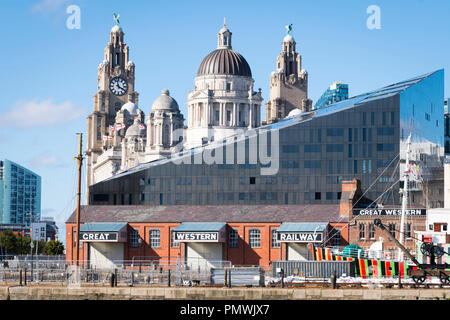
(351, 190)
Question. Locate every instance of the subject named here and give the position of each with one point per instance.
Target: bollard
(20, 277)
(25, 276)
(132, 278)
(333, 279)
(225, 282)
(229, 278)
(282, 277)
(112, 279)
(115, 277)
(168, 278)
(400, 281)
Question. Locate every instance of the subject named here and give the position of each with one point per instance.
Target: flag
(112, 128)
(142, 127)
(120, 126)
(105, 138)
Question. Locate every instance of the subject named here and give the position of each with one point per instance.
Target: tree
(10, 241)
(54, 247)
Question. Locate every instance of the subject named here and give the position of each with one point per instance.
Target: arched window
(166, 135)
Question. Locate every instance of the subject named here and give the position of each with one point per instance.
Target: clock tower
(115, 87)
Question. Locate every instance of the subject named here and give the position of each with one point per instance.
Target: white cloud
(34, 113)
(46, 6)
(46, 160)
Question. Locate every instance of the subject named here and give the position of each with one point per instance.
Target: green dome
(352, 251)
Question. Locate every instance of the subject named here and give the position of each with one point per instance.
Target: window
(228, 84)
(313, 148)
(317, 196)
(134, 238)
(310, 164)
(155, 238)
(362, 231)
(364, 137)
(184, 181)
(372, 118)
(175, 244)
(385, 131)
(350, 135)
(355, 166)
(335, 147)
(350, 150)
(371, 231)
(408, 231)
(335, 238)
(246, 196)
(290, 148)
(203, 181)
(254, 236)
(335, 132)
(384, 118)
(275, 242)
(392, 229)
(268, 196)
(217, 115)
(268, 180)
(385, 147)
(290, 180)
(289, 164)
(233, 238)
(252, 180)
(228, 115)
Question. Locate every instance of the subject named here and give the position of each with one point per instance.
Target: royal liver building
(121, 135)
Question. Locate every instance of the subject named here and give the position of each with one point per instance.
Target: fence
(127, 272)
(312, 269)
(238, 276)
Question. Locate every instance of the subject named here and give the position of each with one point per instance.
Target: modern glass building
(303, 159)
(335, 93)
(20, 194)
(446, 127)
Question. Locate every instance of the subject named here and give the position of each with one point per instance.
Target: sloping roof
(200, 226)
(230, 213)
(302, 227)
(350, 103)
(103, 227)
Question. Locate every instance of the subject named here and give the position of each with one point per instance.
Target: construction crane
(424, 270)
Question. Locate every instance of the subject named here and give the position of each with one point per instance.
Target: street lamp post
(31, 245)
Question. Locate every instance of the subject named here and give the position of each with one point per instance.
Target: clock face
(118, 86)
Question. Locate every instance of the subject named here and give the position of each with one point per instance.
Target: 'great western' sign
(299, 237)
(184, 236)
(389, 212)
(92, 236)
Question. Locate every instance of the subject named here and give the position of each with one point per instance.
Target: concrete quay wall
(141, 293)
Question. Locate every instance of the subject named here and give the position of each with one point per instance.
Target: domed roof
(165, 102)
(294, 112)
(130, 107)
(134, 130)
(288, 38)
(224, 62)
(116, 28)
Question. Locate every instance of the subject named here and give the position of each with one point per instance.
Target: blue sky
(49, 71)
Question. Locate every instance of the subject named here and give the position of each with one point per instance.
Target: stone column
(234, 118)
(250, 116)
(221, 114)
(207, 111)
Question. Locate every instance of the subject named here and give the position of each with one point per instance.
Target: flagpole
(79, 160)
(405, 196)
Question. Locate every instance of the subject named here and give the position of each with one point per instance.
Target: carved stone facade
(288, 84)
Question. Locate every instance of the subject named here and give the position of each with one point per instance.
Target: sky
(50, 70)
